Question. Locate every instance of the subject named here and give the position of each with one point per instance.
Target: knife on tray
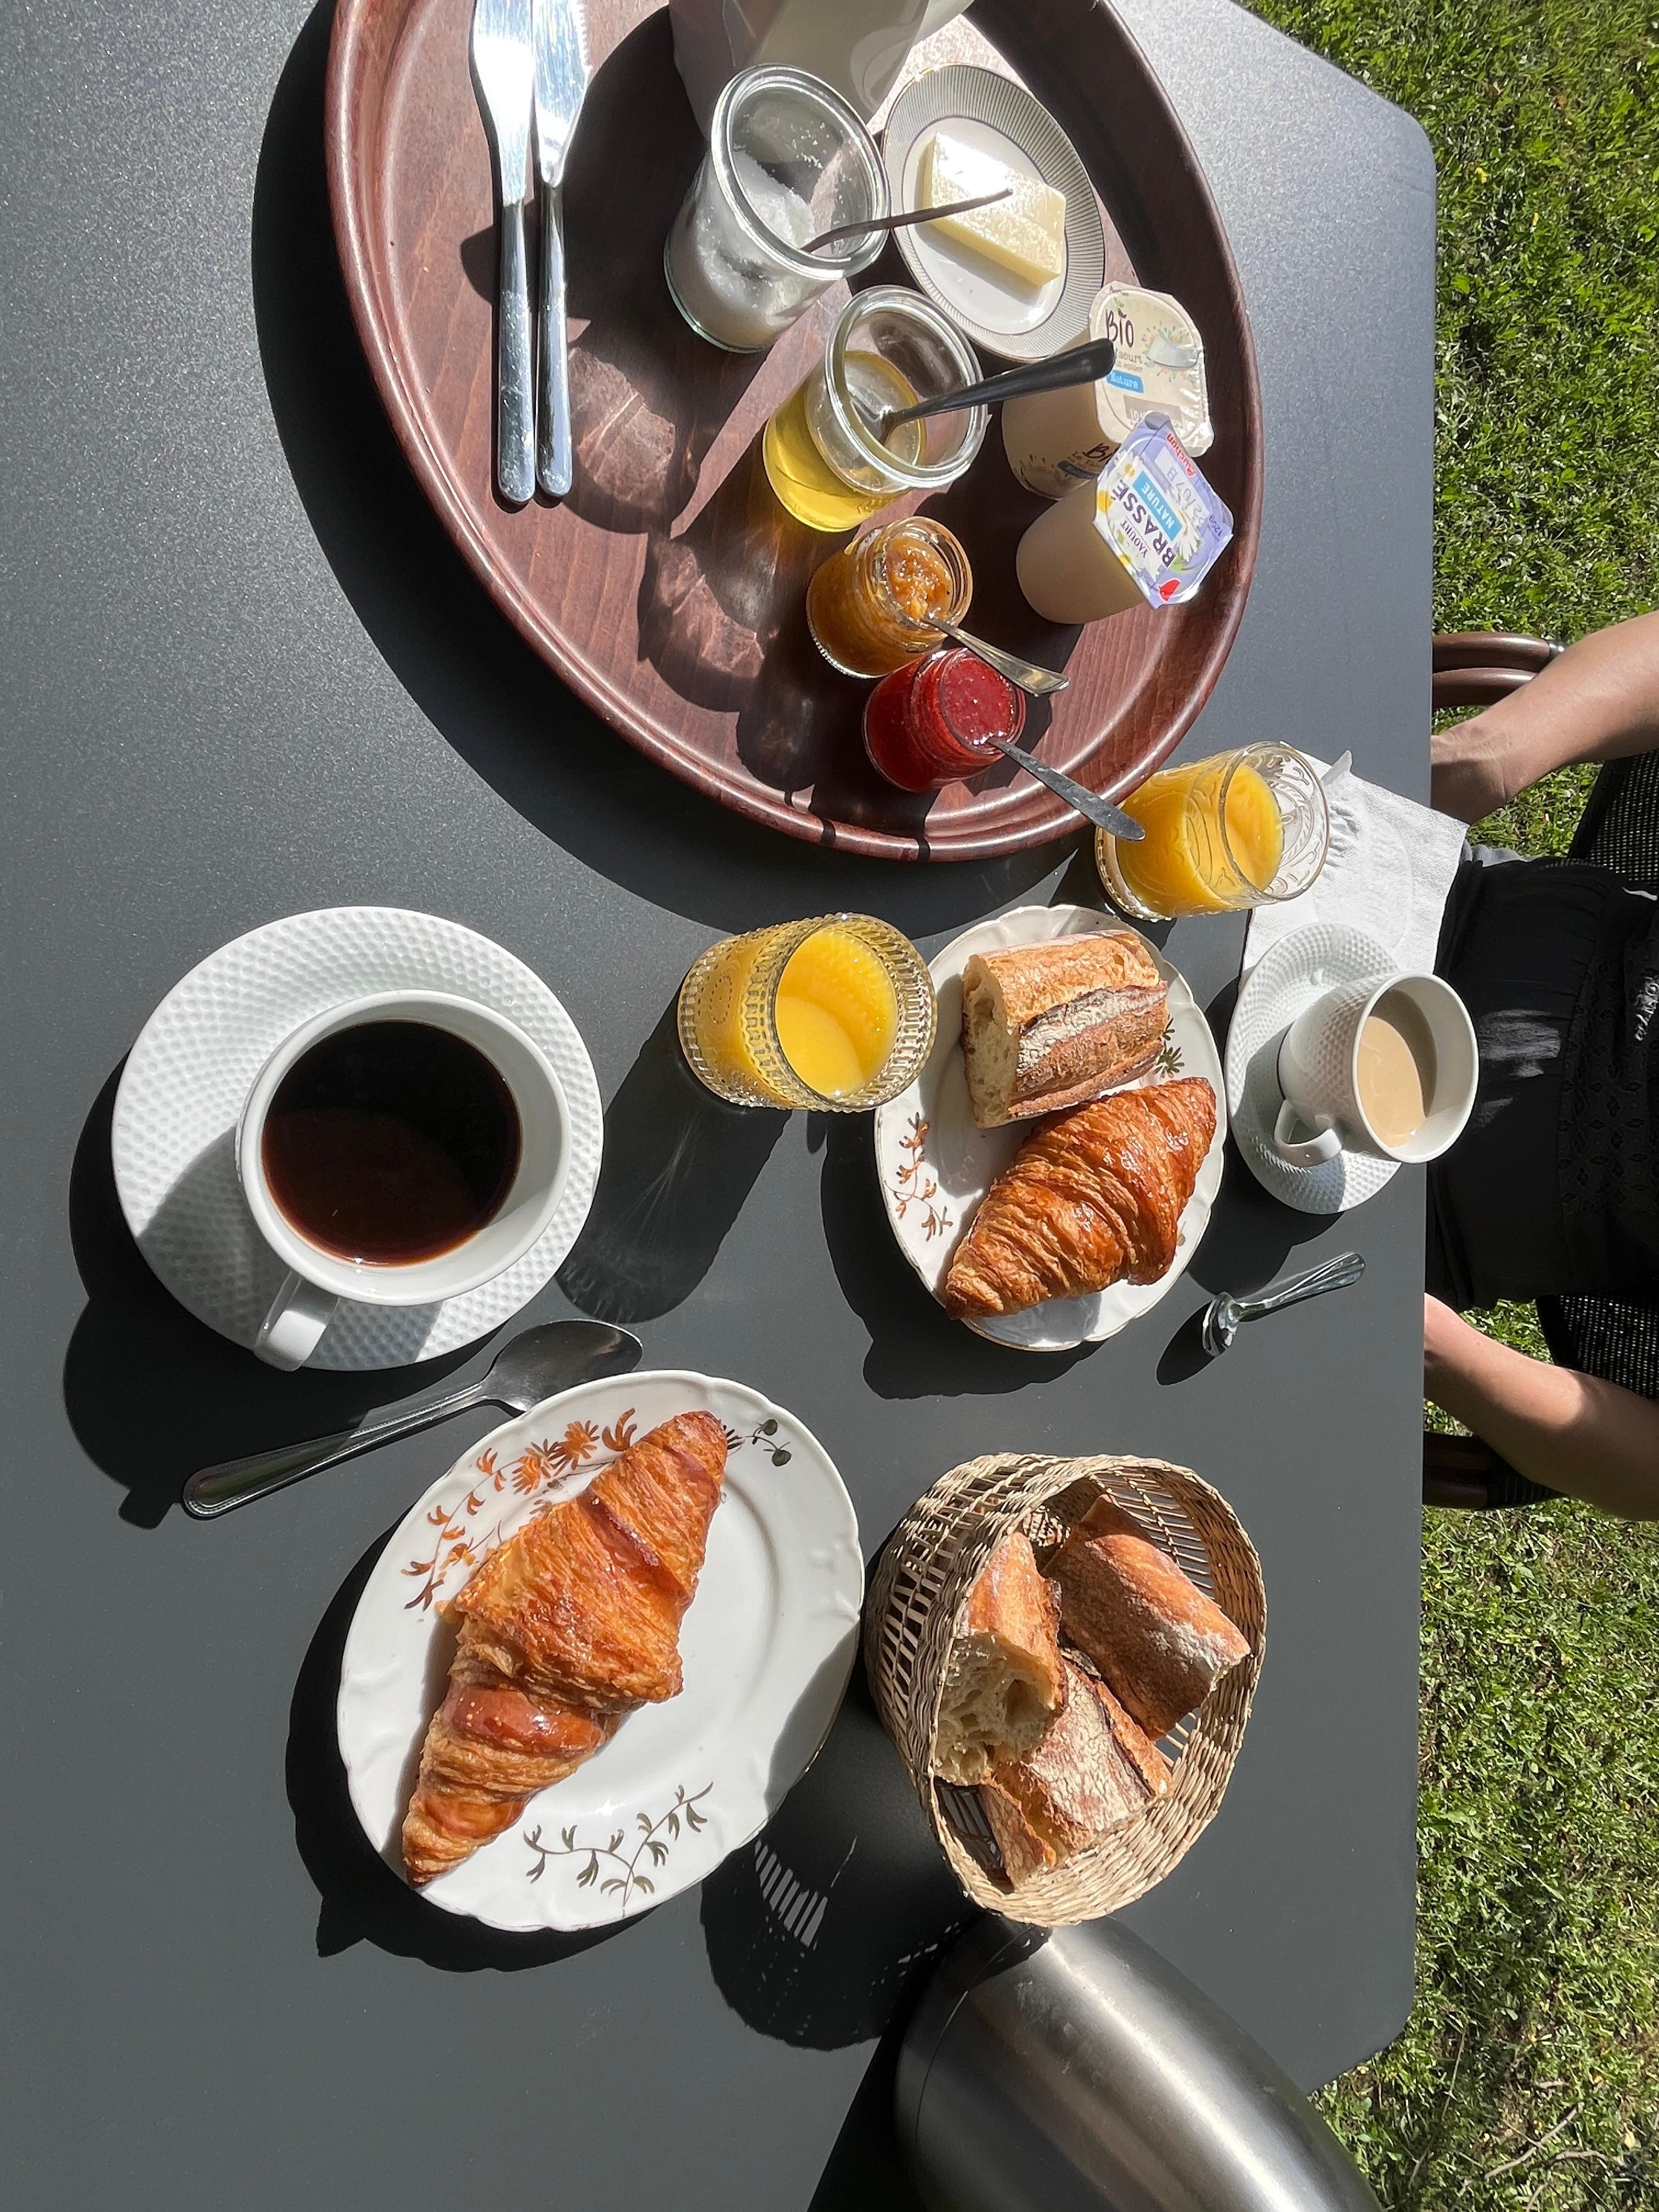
(561, 76)
(502, 72)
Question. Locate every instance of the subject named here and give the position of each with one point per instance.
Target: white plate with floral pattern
(766, 1645)
(935, 1166)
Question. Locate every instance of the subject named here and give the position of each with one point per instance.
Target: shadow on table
(363, 1899)
(467, 669)
(151, 1393)
(678, 1164)
(917, 1351)
(866, 2171)
(819, 1931)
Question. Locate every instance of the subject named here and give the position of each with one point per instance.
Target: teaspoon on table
(535, 1364)
(1225, 1314)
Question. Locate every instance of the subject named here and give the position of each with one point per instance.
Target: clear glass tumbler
(788, 159)
(889, 348)
(836, 1014)
(1241, 828)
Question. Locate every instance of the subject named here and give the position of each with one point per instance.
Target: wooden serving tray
(667, 590)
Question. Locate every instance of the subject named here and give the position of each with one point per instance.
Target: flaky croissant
(570, 1626)
(1095, 1197)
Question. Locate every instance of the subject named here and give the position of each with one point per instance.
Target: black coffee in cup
(391, 1142)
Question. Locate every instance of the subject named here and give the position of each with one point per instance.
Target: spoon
(1089, 804)
(1083, 364)
(1040, 682)
(533, 1366)
(1226, 1315)
(902, 221)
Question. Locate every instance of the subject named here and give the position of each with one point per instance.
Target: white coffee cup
(1319, 1074)
(319, 1279)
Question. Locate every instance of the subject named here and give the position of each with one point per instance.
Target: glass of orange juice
(836, 1014)
(1240, 829)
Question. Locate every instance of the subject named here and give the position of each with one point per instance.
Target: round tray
(921, 1581)
(668, 589)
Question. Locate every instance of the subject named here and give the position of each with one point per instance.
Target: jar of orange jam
(876, 604)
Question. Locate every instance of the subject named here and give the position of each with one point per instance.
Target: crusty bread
(1159, 1643)
(1049, 1025)
(1004, 1683)
(1092, 1771)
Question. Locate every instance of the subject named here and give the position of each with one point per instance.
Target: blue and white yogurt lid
(1159, 514)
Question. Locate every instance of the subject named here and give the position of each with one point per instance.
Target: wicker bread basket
(926, 1571)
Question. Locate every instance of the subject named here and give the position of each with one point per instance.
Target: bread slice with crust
(1093, 1770)
(1003, 1680)
(1158, 1640)
(1045, 1026)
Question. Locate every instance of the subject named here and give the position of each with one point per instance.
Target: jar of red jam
(924, 725)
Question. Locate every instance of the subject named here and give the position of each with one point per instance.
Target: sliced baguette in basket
(1005, 1681)
(1092, 1771)
(1155, 1637)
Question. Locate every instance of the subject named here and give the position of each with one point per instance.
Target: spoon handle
(1084, 364)
(904, 221)
(1040, 682)
(1329, 1275)
(1089, 804)
(215, 1489)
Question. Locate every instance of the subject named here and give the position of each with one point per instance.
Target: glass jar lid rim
(896, 298)
(841, 261)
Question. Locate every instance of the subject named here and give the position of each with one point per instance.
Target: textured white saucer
(181, 1093)
(1287, 979)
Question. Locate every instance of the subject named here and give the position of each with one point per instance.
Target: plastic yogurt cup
(1147, 532)
(1057, 441)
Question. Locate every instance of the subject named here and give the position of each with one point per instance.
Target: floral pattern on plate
(935, 1166)
(766, 1645)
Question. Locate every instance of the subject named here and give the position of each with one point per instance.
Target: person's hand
(1441, 1328)
(1470, 771)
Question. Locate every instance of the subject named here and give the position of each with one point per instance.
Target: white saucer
(182, 1091)
(1286, 978)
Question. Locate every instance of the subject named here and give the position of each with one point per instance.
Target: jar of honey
(925, 725)
(873, 606)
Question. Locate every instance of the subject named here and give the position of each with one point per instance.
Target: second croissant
(1093, 1197)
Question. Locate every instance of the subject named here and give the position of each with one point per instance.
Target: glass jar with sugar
(788, 159)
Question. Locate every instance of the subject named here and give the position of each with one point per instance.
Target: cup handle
(294, 1327)
(1305, 1151)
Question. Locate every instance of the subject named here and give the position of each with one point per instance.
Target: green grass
(1528, 2076)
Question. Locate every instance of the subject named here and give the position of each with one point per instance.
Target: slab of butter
(1024, 235)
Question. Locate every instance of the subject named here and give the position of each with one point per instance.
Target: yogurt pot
(1145, 533)
(1057, 441)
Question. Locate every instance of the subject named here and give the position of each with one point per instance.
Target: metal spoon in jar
(902, 221)
(1084, 364)
(1089, 804)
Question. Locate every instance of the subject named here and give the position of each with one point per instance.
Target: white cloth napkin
(1389, 872)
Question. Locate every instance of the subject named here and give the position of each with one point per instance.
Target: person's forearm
(1598, 701)
(1571, 1432)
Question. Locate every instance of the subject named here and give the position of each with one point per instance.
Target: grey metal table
(245, 675)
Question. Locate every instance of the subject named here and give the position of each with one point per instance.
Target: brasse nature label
(1159, 514)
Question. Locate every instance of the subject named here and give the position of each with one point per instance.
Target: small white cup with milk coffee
(1386, 1066)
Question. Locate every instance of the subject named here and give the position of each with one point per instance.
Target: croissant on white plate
(569, 1627)
(1095, 1197)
